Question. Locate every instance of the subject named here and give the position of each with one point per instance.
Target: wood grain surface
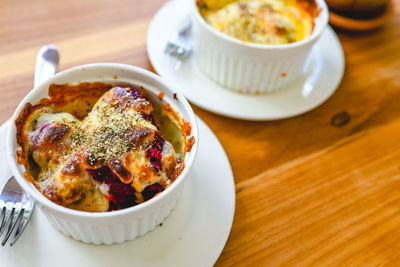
(318, 189)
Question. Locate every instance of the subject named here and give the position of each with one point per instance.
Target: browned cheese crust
(87, 141)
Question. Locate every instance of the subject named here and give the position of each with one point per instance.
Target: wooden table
(317, 189)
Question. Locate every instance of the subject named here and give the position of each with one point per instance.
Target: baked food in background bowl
(103, 137)
(255, 46)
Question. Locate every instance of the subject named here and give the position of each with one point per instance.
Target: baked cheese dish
(270, 22)
(95, 147)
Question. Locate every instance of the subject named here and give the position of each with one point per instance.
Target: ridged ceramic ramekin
(248, 67)
(114, 226)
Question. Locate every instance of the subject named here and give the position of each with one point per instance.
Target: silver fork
(16, 206)
(16, 209)
(179, 45)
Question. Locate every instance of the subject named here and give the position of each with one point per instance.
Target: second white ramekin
(247, 67)
(115, 226)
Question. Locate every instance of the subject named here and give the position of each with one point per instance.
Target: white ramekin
(115, 226)
(248, 67)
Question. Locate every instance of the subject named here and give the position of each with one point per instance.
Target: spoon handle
(46, 63)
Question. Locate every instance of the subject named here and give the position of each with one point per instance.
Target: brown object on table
(358, 7)
(368, 22)
(318, 189)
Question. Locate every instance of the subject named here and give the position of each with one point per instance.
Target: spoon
(46, 63)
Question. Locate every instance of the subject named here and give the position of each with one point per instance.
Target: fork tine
(11, 228)
(2, 217)
(28, 210)
(7, 218)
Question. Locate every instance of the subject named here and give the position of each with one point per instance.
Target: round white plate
(194, 234)
(320, 79)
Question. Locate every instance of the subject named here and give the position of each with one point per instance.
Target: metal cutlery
(179, 46)
(16, 206)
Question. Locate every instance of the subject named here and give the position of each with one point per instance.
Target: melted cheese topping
(260, 21)
(106, 125)
(117, 139)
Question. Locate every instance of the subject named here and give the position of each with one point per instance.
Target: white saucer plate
(321, 76)
(194, 234)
